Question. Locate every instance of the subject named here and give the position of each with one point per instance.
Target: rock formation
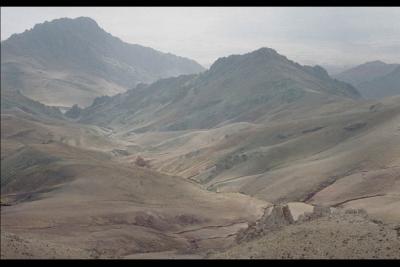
(278, 216)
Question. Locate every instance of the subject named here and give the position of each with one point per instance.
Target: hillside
(342, 234)
(64, 193)
(72, 61)
(262, 125)
(14, 100)
(374, 79)
(201, 165)
(235, 89)
(291, 155)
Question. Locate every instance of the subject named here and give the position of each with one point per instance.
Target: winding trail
(356, 198)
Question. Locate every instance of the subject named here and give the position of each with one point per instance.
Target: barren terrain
(203, 166)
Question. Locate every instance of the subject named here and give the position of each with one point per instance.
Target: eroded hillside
(185, 165)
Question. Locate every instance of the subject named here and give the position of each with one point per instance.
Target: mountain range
(71, 61)
(234, 89)
(374, 79)
(256, 157)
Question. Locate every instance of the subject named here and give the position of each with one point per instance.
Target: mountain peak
(267, 62)
(77, 21)
(260, 55)
(265, 51)
(85, 20)
(80, 23)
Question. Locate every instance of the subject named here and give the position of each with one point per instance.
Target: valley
(255, 157)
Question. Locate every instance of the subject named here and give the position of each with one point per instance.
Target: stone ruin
(276, 217)
(318, 211)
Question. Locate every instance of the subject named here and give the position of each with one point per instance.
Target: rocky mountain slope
(374, 79)
(234, 89)
(262, 125)
(72, 61)
(292, 155)
(205, 163)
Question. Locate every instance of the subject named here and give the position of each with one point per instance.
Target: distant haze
(309, 35)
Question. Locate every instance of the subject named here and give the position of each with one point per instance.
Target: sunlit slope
(289, 157)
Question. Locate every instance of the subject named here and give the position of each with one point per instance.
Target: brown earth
(340, 235)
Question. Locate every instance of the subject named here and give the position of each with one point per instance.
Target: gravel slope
(338, 236)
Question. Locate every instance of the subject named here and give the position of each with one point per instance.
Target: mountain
(72, 61)
(387, 85)
(191, 165)
(374, 79)
(236, 88)
(264, 126)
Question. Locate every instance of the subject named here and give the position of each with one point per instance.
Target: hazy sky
(309, 35)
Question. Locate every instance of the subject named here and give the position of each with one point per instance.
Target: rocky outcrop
(278, 216)
(318, 211)
(273, 218)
